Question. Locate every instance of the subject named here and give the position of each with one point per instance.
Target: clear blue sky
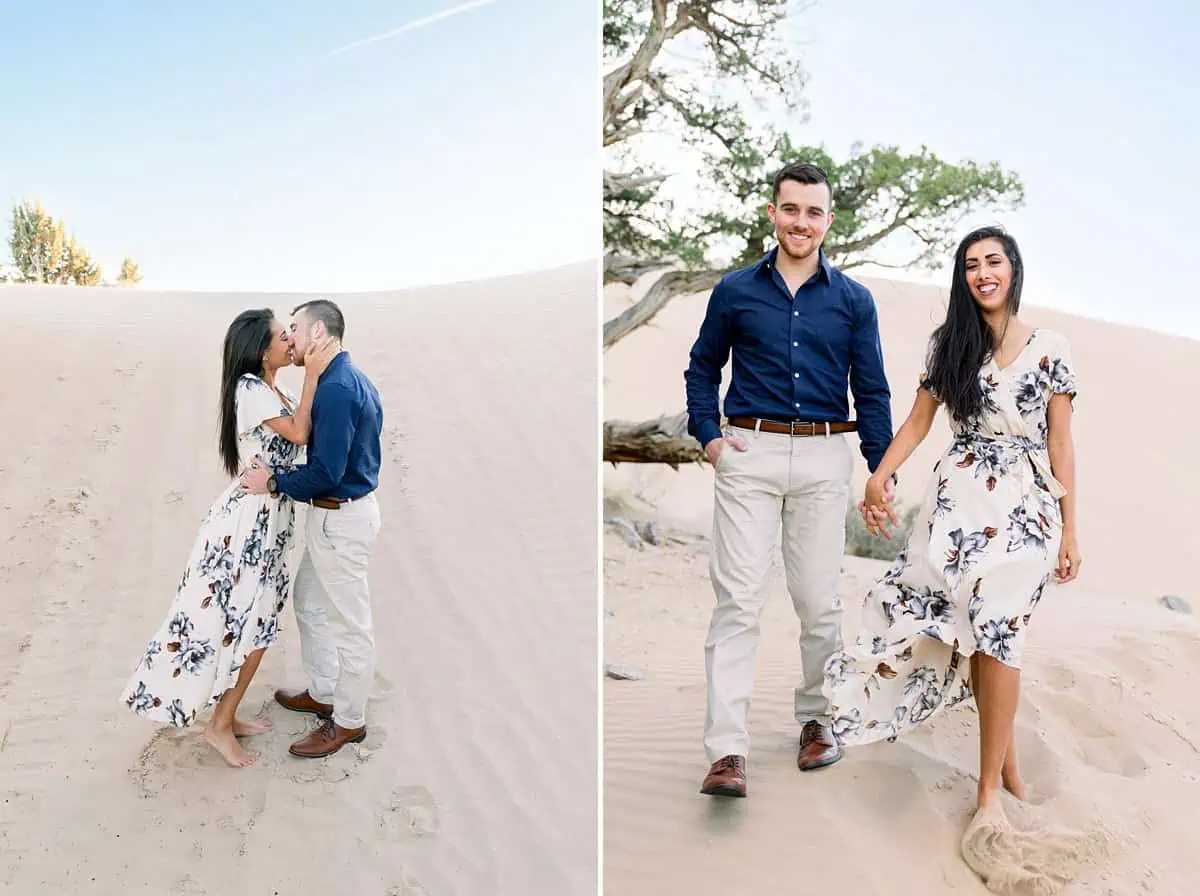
(1093, 104)
(223, 147)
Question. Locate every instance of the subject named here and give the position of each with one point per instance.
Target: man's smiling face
(801, 217)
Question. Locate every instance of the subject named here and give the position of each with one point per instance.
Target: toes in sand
(231, 751)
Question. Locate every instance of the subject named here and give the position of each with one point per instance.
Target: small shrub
(861, 543)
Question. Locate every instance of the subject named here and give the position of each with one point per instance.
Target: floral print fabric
(235, 584)
(980, 554)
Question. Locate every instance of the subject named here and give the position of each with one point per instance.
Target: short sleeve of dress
(1061, 369)
(256, 402)
(925, 382)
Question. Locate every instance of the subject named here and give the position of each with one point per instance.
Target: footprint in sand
(179, 759)
(166, 754)
(409, 812)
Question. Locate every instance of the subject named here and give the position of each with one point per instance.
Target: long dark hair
(962, 344)
(246, 342)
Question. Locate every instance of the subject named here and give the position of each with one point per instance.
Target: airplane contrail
(413, 25)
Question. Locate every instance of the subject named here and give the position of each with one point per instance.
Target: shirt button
(797, 404)
(795, 314)
(796, 375)
(795, 345)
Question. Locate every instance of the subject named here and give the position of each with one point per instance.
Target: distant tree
(42, 251)
(130, 275)
(690, 74)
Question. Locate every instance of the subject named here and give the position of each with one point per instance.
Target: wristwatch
(272, 486)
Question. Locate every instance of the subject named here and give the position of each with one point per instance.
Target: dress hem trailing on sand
(981, 552)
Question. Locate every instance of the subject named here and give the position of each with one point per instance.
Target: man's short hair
(803, 173)
(327, 313)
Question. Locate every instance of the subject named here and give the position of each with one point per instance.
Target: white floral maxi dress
(981, 551)
(236, 582)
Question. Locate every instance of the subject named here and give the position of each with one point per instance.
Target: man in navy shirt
(799, 332)
(331, 599)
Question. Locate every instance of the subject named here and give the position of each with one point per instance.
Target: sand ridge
(478, 772)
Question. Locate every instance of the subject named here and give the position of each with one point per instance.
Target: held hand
(714, 448)
(318, 356)
(877, 507)
(1069, 560)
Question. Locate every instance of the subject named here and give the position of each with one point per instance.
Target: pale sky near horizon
(307, 146)
(1094, 111)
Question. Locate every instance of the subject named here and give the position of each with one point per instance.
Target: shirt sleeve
(334, 414)
(869, 385)
(703, 375)
(255, 402)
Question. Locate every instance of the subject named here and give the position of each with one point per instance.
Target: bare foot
(231, 751)
(246, 729)
(1014, 785)
(986, 799)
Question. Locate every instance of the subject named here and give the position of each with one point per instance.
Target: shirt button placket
(795, 358)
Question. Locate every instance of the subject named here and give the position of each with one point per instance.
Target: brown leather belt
(795, 428)
(334, 503)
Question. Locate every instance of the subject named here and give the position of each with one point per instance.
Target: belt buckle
(812, 427)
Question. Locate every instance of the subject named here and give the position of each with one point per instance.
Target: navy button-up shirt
(343, 449)
(792, 355)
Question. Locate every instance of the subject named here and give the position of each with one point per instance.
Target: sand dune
(478, 774)
(1107, 728)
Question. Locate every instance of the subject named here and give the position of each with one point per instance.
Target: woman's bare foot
(247, 729)
(1014, 785)
(987, 797)
(231, 751)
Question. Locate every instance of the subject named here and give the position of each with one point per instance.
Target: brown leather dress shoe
(302, 701)
(328, 738)
(817, 747)
(727, 777)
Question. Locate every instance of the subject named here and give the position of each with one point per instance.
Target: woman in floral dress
(949, 617)
(226, 608)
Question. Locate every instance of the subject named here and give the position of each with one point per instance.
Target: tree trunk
(665, 440)
(661, 441)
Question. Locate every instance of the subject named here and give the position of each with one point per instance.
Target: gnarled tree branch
(661, 441)
(665, 288)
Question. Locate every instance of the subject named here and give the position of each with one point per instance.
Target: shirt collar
(342, 357)
(824, 270)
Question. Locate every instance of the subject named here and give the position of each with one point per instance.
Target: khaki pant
(802, 485)
(333, 608)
